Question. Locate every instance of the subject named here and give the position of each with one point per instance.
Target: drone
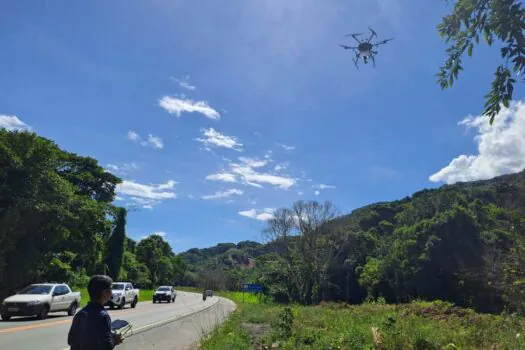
(365, 49)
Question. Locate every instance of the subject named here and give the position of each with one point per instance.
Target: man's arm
(73, 330)
(105, 338)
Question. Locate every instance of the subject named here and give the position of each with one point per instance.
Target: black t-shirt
(91, 329)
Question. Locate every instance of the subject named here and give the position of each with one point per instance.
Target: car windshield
(117, 286)
(163, 289)
(36, 289)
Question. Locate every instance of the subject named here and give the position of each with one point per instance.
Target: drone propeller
(383, 42)
(373, 31)
(354, 34)
(348, 47)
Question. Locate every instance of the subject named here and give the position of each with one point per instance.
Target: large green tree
(499, 22)
(53, 210)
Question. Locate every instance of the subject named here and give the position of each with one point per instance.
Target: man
(91, 327)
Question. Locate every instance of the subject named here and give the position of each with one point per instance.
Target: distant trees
(500, 22)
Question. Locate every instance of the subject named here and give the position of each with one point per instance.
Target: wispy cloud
(501, 148)
(177, 106)
(122, 169)
(286, 147)
(258, 214)
(317, 192)
(223, 194)
(12, 123)
(185, 83)
(155, 141)
(246, 172)
(152, 140)
(211, 137)
(147, 196)
(225, 177)
(324, 187)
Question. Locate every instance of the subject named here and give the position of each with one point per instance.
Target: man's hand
(118, 339)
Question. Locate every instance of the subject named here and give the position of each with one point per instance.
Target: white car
(165, 293)
(123, 293)
(39, 300)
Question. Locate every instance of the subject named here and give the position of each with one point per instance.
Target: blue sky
(214, 113)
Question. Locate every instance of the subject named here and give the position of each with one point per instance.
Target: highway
(160, 326)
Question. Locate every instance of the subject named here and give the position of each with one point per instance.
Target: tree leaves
(503, 19)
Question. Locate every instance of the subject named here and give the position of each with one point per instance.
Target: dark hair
(97, 284)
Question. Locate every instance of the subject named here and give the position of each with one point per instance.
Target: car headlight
(34, 302)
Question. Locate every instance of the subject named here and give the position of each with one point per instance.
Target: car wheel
(43, 312)
(6, 317)
(169, 300)
(154, 301)
(122, 304)
(134, 303)
(112, 306)
(72, 309)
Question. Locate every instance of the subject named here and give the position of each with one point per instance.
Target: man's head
(99, 288)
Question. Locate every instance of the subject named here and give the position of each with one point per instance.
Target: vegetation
(58, 223)
(500, 22)
(463, 243)
(371, 325)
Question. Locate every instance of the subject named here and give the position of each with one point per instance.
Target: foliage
(57, 222)
(417, 325)
(498, 21)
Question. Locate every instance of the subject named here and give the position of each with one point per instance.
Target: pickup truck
(39, 300)
(165, 293)
(123, 293)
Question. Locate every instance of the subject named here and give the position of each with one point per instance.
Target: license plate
(12, 309)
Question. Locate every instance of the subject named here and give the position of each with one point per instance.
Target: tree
(115, 248)
(500, 19)
(151, 251)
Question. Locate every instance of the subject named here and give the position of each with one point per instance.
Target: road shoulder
(182, 334)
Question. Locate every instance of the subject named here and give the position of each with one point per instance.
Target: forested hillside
(463, 243)
(58, 223)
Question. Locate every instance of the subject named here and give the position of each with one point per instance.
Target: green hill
(464, 243)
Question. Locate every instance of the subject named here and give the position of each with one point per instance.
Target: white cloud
(147, 196)
(215, 138)
(317, 193)
(133, 136)
(185, 83)
(152, 141)
(258, 214)
(159, 233)
(286, 147)
(190, 196)
(12, 123)
(225, 177)
(223, 194)
(281, 166)
(324, 187)
(300, 193)
(122, 169)
(246, 172)
(253, 162)
(155, 141)
(251, 177)
(177, 106)
(501, 148)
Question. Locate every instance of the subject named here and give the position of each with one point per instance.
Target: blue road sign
(252, 288)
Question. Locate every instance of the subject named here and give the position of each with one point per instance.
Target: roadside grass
(418, 325)
(144, 295)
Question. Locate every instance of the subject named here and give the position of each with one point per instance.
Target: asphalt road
(147, 319)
